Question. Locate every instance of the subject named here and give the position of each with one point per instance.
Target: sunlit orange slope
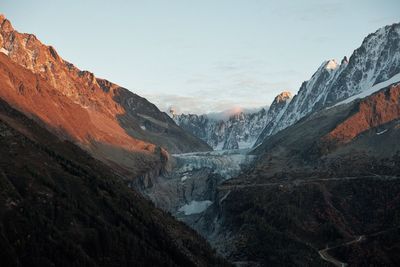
(115, 125)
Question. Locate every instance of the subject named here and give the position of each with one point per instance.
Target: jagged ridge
(376, 60)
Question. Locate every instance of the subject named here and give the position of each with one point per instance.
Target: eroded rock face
(371, 112)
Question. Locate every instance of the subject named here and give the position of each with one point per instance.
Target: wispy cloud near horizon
(199, 105)
(233, 84)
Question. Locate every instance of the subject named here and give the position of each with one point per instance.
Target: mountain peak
(375, 61)
(345, 60)
(2, 18)
(331, 64)
(5, 24)
(283, 96)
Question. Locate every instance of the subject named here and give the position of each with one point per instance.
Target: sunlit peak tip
(331, 64)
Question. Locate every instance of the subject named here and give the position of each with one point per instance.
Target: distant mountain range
(240, 130)
(376, 60)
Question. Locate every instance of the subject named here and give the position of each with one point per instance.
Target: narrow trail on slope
(304, 182)
(324, 253)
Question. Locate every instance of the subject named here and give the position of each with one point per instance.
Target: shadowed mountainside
(61, 207)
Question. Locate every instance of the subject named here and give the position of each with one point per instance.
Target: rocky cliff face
(120, 128)
(376, 110)
(239, 131)
(376, 60)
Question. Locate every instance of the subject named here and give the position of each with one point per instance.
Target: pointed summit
(2, 18)
(5, 24)
(345, 60)
(331, 64)
(282, 97)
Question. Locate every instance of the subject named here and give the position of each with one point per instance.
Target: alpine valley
(92, 174)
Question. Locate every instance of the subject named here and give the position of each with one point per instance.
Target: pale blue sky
(202, 56)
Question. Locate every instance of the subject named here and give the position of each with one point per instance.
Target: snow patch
(4, 51)
(143, 127)
(371, 90)
(195, 207)
(381, 132)
(184, 178)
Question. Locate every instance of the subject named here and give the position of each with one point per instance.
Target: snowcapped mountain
(239, 131)
(375, 61)
(231, 133)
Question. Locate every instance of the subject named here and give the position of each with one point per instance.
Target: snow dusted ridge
(377, 60)
(395, 79)
(239, 131)
(275, 113)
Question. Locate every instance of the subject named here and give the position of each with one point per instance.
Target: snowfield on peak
(239, 131)
(372, 66)
(395, 79)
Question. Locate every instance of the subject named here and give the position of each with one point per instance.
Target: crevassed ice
(226, 163)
